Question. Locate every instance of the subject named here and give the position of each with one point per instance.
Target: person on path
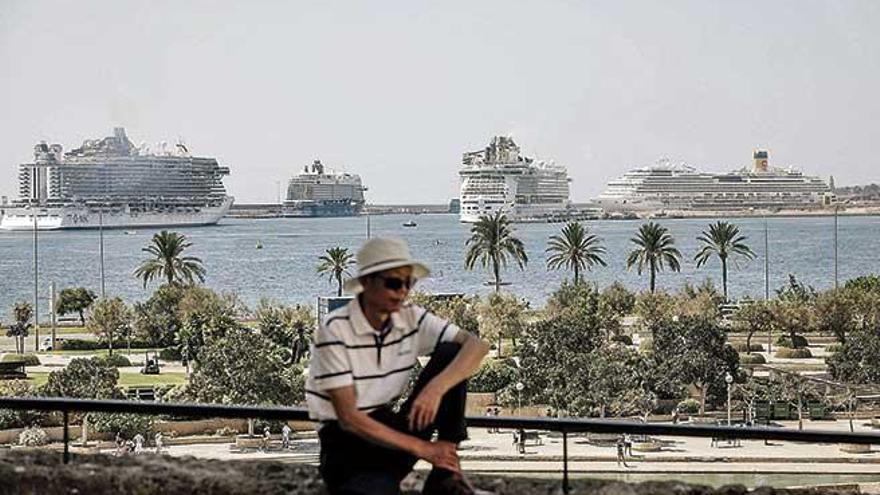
(621, 452)
(138, 444)
(285, 436)
(361, 360)
(158, 440)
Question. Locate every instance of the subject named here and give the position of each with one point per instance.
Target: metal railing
(562, 425)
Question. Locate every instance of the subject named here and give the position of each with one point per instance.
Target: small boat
(130, 232)
(259, 245)
(409, 224)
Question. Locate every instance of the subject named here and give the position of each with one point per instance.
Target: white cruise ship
(500, 178)
(665, 187)
(316, 192)
(111, 183)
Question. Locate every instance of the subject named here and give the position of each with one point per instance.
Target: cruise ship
(666, 187)
(112, 183)
(319, 193)
(499, 178)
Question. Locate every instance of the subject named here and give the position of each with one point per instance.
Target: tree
(157, 320)
(722, 240)
(461, 310)
(858, 360)
(289, 327)
(502, 315)
(619, 299)
(694, 350)
(752, 318)
(75, 300)
(110, 319)
(612, 382)
(83, 379)
(22, 312)
(576, 248)
(791, 317)
(655, 249)
(554, 350)
(492, 243)
(796, 292)
(168, 262)
(244, 367)
(796, 390)
(334, 263)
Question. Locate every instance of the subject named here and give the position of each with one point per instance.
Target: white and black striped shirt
(348, 350)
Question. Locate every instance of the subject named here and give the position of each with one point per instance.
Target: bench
(12, 371)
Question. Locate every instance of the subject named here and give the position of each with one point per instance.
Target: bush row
(799, 342)
(788, 353)
(752, 359)
(28, 359)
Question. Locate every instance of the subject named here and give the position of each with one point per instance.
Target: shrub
(170, 354)
(79, 345)
(33, 436)
(226, 432)
(752, 359)
(13, 418)
(28, 359)
(688, 406)
(493, 376)
(833, 348)
(741, 347)
(799, 342)
(127, 425)
(623, 339)
(788, 353)
(114, 361)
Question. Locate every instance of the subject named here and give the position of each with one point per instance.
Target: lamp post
(767, 281)
(835, 246)
(729, 380)
(35, 212)
(519, 388)
(101, 247)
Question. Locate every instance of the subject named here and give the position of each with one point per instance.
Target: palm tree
(723, 240)
(575, 248)
(655, 248)
(492, 242)
(167, 249)
(335, 263)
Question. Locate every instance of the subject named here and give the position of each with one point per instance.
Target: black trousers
(352, 465)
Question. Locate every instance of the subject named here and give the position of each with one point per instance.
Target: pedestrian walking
(285, 436)
(138, 444)
(621, 452)
(359, 368)
(158, 439)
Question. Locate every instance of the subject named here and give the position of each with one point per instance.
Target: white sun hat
(380, 254)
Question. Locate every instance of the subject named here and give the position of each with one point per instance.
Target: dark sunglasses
(396, 283)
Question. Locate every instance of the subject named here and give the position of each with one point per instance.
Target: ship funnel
(762, 160)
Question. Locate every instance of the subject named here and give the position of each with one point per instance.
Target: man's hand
(441, 455)
(424, 408)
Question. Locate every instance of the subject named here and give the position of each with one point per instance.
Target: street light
(729, 380)
(519, 388)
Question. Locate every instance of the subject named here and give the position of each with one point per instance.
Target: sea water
(284, 268)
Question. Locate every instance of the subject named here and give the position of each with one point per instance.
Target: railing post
(66, 438)
(565, 487)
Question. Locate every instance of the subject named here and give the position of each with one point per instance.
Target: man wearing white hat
(361, 363)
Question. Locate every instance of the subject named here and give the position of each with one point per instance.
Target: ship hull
(73, 217)
(308, 209)
(518, 213)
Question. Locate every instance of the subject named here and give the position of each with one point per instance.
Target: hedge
(752, 359)
(623, 339)
(741, 347)
(80, 345)
(114, 361)
(688, 406)
(28, 359)
(833, 348)
(788, 353)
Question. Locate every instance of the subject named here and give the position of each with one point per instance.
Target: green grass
(125, 379)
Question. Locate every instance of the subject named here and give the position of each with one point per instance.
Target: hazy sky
(396, 91)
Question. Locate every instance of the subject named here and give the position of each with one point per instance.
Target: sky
(396, 91)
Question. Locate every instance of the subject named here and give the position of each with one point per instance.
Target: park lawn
(125, 379)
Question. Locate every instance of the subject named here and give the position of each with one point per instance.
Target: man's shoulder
(339, 315)
(412, 314)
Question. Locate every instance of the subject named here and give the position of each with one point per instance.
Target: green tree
(289, 327)
(502, 315)
(611, 383)
(244, 367)
(655, 249)
(796, 291)
(493, 243)
(752, 318)
(693, 350)
(793, 318)
(334, 263)
(575, 248)
(858, 360)
(461, 310)
(157, 320)
(723, 240)
(168, 262)
(22, 312)
(619, 299)
(83, 379)
(110, 319)
(75, 300)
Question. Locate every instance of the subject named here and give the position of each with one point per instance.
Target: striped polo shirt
(348, 350)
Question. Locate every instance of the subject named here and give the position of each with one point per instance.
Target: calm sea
(284, 269)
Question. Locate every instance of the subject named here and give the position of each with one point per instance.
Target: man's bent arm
(473, 350)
